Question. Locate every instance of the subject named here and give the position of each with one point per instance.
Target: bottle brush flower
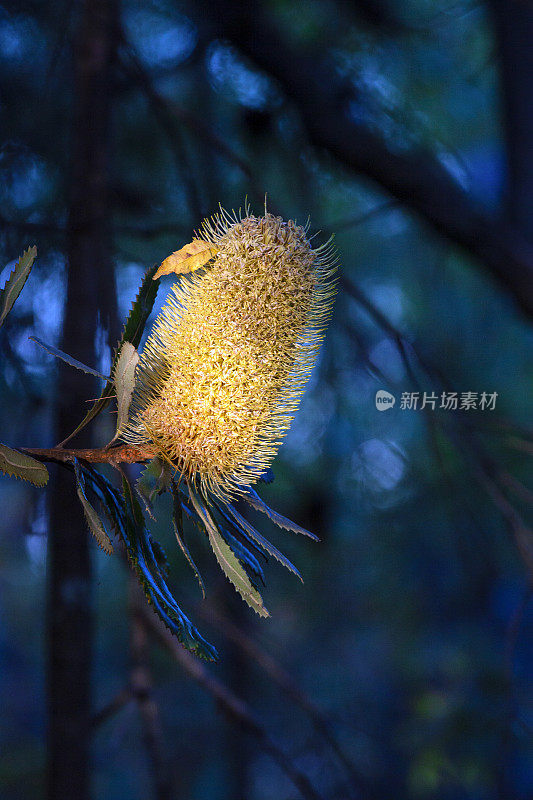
(225, 366)
(209, 400)
(222, 374)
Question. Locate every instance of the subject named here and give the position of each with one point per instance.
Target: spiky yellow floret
(225, 366)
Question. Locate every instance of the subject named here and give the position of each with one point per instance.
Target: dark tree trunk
(514, 34)
(89, 278)
(514, 29)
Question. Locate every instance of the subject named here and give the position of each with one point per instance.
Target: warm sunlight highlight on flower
(226, 364)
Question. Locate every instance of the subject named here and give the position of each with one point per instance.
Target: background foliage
(413, 630)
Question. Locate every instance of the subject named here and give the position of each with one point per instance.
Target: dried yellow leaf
(192, 256)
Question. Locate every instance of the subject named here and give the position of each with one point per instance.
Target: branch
(171, 112)
(122, 454)
(414, 176)
(171, 116)
(141, 682)
(112, 708)
(286, 682)
(232, 705)
(493, 480)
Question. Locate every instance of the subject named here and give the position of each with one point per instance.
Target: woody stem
(121, 454)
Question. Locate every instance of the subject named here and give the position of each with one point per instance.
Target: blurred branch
(413, 175)
(283, 679)
(141, 683)
(505, 750)
(24, 227)
(460, 432)
(112, 708)
(522, 534)
(359, 219)
(166, 229)
(169, 113)
(140, 690)
(36, 228)
(232, 705)
(516, 486)
(169, 122)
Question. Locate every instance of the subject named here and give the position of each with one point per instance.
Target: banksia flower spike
(224, 369)
(226, 364)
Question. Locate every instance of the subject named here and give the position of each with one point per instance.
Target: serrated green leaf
(227, 560)
(72, 362)
(147, 505)
(15, 282)
(124, 379)
(247, 559)
(133, 331)
(264, 543)
(19, 465)
(146, 558)
(153, 480)
(253, 499)
(132, 503)
(160, 555)
(107, 497)
(177, 522)
(96, 526)
(142, 557)
(141, 309)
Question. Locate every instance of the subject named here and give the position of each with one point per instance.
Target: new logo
(384, 400)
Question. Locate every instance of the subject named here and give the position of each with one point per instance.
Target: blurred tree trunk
(514, 34)
(89, 279)
(514, 30)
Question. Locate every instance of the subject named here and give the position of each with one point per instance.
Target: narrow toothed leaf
(133, 331)
(108, 497)
(140, 549)
(177, 522)
(247, 559)
(96, 525)
(227, 560)
(253, 499)
(141, 309)
(15, 282)
(242, 551)
(124, 380)
(72, 362)
(264, 543)
(132, 503)
(146, 503)
(19, 465)
(147, 560)
(233, 526)
(155, 478)
(160, 556)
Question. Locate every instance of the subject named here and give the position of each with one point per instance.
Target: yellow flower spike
(226, 364)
